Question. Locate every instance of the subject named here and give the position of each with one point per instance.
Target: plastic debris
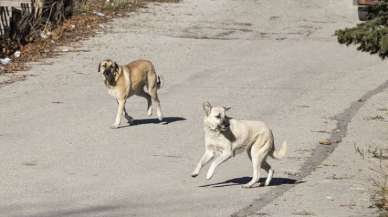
(17, 54)
(99, 14)
(5, 61)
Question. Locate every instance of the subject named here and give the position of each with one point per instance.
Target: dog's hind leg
(206, 157)
(265, 165)
(249, 153)
(155, 101)
(258, 156)
(142, 93)
(256, 161)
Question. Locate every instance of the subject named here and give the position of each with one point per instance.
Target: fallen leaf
(325, 142)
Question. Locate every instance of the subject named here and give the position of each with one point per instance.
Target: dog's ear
(207, 107)
(227, 108)
(116, 66)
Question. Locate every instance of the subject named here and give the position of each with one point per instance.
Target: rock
(43, 35)
(17, 54)
(325, 142)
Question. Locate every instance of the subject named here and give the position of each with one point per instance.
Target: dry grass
(381, 196)
(85, 22)
(380, 179)
(77, 28)
(370, 150)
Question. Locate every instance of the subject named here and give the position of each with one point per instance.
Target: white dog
(225, 137)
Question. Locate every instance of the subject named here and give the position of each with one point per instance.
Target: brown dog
(123, 81)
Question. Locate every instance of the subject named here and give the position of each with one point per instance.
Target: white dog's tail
(159, 81)
(279, 153)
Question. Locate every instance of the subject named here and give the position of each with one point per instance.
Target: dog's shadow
(246, 179)
(166, 120)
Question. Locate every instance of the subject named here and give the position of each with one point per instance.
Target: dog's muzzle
(224, 125)
(109, 77)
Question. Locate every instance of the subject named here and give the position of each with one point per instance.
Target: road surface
(275, 61)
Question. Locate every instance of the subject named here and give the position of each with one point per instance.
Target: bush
(370, 36)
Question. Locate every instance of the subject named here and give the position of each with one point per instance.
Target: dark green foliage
(381, 9)
(370, 36)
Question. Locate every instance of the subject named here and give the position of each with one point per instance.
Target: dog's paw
(246, 186)
(251, 185)
(209, 176)
(149, 112)
(114, 126)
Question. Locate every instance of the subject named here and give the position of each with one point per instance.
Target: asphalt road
(275, 61)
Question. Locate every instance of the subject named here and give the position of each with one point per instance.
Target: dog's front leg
(226, 154)
(126, 115)
(206, 157)
(120, 110)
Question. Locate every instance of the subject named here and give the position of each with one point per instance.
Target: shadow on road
(246, 179)
(166, 120)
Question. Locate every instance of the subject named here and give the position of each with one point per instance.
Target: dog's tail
(280, 153)
(159, 81)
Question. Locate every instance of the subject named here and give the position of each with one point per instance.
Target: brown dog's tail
(280, 153)
(159, 81)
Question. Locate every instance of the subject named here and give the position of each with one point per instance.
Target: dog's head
(215, 117)
(110, 71)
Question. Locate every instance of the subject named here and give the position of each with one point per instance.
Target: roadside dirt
(87, 21)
